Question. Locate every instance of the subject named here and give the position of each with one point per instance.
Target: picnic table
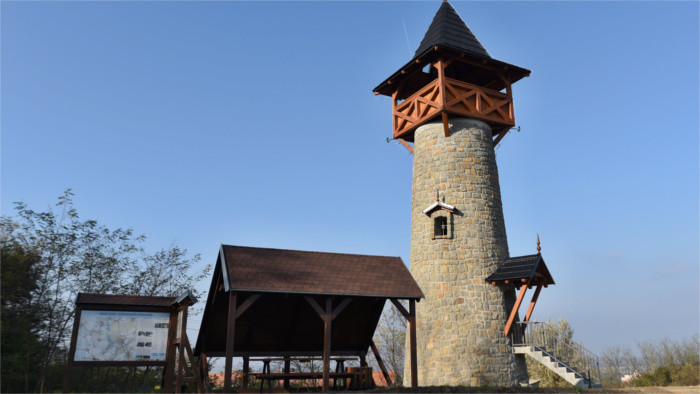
(341, 374)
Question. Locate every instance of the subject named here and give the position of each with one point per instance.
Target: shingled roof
(448, 29)
(295, 271)
(448, 35)
(118, 299)
(276, 285)
(528, 268)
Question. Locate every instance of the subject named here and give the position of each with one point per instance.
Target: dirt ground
(655, 389)
(463, 389)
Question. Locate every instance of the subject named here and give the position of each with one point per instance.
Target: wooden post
(443, 96)
(230, 327)
(412, 333)
(514, 312)
(393, 111)
(286, 370)
(387, 378)
(327, 321)
(246, 371)
(204, 368)
(71, 351)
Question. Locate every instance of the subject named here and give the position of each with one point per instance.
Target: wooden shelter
(287, 303)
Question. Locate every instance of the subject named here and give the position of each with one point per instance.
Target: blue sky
(254, 124)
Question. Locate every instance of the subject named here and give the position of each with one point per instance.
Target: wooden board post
(71, 351)
(181, 362)
(170, 352)
(230, 329)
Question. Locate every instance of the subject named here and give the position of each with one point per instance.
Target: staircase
(568, 359)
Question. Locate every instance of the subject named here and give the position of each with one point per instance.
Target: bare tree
(390, 338)
(77, 255)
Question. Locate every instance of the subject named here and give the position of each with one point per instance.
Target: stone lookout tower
(454, 103)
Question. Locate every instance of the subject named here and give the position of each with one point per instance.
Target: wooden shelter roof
(523, 268)
(272, 288)
(303, 272)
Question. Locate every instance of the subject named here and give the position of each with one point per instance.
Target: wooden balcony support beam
(405, 144)
(532, 303)
(499, 137)
(514, 312)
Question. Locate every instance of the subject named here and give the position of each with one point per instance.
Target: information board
(122, 336)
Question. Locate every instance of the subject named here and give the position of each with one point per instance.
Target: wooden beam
(246, 304)
(443, 96)
(514, 312)
(315, 305)
(533, 302)
(380, 363)
(195, 368)
(414, 350)
(246, 371)
(327, 321)
(400, 307)
(340, 307)
(405, 144)
(204, 367)
(230, 328)
(287, 369)
(499, 137)
(445, 125)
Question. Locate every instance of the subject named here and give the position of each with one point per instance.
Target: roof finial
(539, 249)
(437, 195)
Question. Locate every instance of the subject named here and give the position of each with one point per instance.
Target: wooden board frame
(149, 304)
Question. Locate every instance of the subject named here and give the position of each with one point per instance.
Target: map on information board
(122, 336)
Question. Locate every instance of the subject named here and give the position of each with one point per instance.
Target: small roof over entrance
(529, 269)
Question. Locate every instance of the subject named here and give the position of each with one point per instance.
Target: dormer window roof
(438, 205)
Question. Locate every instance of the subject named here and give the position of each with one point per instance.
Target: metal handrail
(544, 337)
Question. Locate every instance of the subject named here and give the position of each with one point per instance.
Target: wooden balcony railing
(454, 97)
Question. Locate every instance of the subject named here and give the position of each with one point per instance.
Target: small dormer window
(440, 226)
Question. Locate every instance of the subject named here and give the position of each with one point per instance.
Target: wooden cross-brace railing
(443, 96)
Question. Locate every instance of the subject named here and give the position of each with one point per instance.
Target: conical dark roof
(448, 29)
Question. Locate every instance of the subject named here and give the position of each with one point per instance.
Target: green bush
(675, 375)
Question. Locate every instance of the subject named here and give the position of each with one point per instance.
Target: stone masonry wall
(460, 323)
